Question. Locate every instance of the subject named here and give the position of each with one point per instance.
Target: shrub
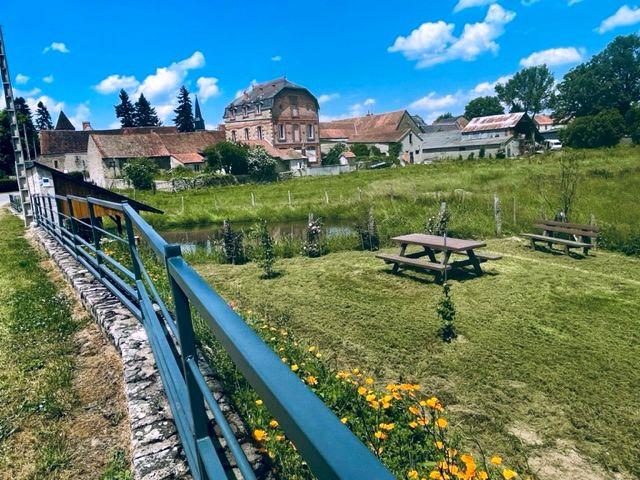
(228, 156)
(439, 223)
(481, 153)
(333, 156)
(368, 233)
(394, 149)
(77, 175)
(360, 150)
(447, 313)
(314, 241)
(8, 185)
(232, 244)
(260, 165)
(207, 179)
(140, 173)
(264, 253)
(602, 130)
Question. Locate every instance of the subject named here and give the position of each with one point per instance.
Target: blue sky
(355, 56)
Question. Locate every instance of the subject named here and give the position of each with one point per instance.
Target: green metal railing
(15, 203)
(328, 446)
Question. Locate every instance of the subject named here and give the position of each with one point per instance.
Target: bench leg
(533, 244)
(566, 249)
(396, 266)
(430, 254)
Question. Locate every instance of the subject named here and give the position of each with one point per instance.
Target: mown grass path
(546, 366)
(61, 401)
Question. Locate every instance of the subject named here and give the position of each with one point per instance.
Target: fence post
(515, 222)
(326, 197)
(289, 192)
(34, 203)
(188, 351)
(96, 236)
(497, 214)
(53, 222)
(253, 200)
(132, 246)
(74, 229)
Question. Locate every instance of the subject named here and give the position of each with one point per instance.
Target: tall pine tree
(145, 114)
(43, 118)
(125, 111)
(184, 114)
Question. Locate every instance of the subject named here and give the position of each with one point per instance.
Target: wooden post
(326, 197)
(182, 203)
(289, 193)
(253, 200)
(359, 194)
(497, 214)
(515, 222)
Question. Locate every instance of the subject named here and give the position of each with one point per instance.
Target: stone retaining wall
(156, 451)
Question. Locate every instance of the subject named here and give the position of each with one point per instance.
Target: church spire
(198, 121)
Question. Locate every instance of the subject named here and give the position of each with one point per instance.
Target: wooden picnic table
(432, 245)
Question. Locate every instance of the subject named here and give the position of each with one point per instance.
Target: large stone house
(380, 130)
(279, 112)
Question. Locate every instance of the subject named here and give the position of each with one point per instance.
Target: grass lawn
(53, 422)
(546, 366)
(402, 198)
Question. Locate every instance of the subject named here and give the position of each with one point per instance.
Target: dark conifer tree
(43, 118)
(25, 124)
(145, 114)
(184, 114)
(125, 110)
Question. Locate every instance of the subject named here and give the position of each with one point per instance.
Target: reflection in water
(204, 237)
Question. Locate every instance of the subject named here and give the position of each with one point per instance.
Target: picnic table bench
(583, 236)
(432, 245)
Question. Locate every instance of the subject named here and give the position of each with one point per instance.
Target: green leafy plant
(439, 223)
(140, 172)
(264, 253)
(314, 242)
(232, 243)
(260, 165)
(368, 232)
(447, 313)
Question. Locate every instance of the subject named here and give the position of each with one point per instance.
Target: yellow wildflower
(362, 390)
(483, 475)
(496, 460)
(295, 367)
(312, 349)
(413, 424)
(371, 397)
(439, 445)
(284, 359)
(375, 404)
(380, 435)
(311, 380)
(412, 474)
(344, 420)
(387, 426)
(442, 422)
(273, 424)
(259, 402)
(368, 381)
(279, 438)
(509, 474)
(259, 435)
(414, 410)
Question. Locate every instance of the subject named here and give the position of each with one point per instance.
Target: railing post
(188, 351)
(32, 199)
(132, 246)
(53, 222)
(74, 229)
(96, 235)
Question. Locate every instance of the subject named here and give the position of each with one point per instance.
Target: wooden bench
(583, 236)
(413, 262)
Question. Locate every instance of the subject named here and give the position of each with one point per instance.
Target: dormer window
(244, 111)
(232, 111)
(258, 108)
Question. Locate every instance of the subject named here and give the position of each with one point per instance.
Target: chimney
(86, 126)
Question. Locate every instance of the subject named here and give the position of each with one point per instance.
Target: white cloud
(26, 93)
(369, 101)
(48, 79)
(553, 57)
(116, 82)
(166, 80)
(115, 125)
(573, 2)
(21, 79)
(239, 93)
(624, 17)
(462, 4)
(432, 102)
(81, 114)
(484, 89)
(57, 47)
(207, 88)
(276, 58)
(52, 105)
(165, 112)
(327, 97)
(434, 43)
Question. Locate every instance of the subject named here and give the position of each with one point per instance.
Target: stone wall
(155, 446)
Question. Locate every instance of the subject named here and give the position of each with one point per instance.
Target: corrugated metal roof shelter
(496, 122)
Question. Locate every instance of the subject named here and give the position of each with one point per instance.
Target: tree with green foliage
(260, 165)
(530, 90)
(184, 120)
(264, 252)
(125, 111)
(43, 118)
(444, 116)
(611, 79)
(333, 155)
(592, 131)
(144, 114)
(140, 172)
(360, 150)
(25, 124)
(232, 244)
(228, 156)
(7, 159)
(483, 107)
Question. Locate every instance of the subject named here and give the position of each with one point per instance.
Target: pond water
(204, 236)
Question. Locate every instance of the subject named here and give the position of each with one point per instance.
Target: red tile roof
(281, 153)
(186, 158)
(543, 119)
(382, 127)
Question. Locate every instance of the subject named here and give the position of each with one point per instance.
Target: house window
(246, 134)
(55, 164)
(233, 135)
(294, 106)
(411, 138)
(232, 111)
(258, 109)
(310, 132)
(259, 129)
(296, 133)
(281, 132)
